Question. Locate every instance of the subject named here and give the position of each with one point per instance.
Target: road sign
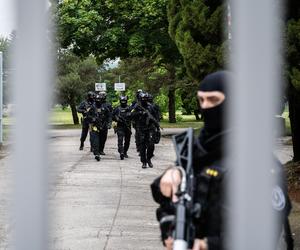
(119, 86)
(100, 86)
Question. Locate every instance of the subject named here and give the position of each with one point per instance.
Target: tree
(5, 45)
(293, 57)
(116, 28)
(197, 29)
(75, 78)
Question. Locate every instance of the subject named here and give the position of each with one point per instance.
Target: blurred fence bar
(255, 61)
(1, 98)
(31, 80)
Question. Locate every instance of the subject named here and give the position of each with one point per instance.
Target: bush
(179, 118)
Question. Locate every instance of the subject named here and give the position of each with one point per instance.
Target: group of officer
(142, 114)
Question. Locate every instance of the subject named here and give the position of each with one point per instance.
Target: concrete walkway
(99, 205)
(106, 204)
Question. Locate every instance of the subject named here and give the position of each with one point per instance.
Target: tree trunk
(294, 115)
(196, 114)
(74, 114)
(172, 111)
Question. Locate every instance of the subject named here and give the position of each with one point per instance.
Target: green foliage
(162, 101)
(196, 28)
(293, 37)
(115, 28)
(75, 77)
(5, 46)
(127, 29)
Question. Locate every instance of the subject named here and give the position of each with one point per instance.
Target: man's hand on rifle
(170, 182)
(169, 243)
(200, 245)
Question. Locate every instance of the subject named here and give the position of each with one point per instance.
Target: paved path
(106, 204)
(103, 205)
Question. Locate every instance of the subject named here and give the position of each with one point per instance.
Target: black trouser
(124, 135)
(98, 139)
(137, 140)
(85, 130)
(146, 145)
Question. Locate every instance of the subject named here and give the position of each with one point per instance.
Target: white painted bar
(1, 98)
(31, 80)
(255, 61)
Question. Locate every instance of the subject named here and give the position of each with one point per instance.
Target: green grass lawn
(62, 119)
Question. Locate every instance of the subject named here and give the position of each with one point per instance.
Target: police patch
(278, 198)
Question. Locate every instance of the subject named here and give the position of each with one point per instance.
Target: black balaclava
(144, 99)
(123, 101)
(210, 141)
(90, 96)
(214, 117)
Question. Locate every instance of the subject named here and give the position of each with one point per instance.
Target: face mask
(213, 119)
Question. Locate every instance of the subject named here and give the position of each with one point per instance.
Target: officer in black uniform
(144, 117)
(101, 122)
(84, 109)
(136, 102)
(121, 115)
(210, 174)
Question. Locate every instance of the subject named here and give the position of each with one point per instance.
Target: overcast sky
(7, 22)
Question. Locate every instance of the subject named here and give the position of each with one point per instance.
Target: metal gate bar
(255, 61)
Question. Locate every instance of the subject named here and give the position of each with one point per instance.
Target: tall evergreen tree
(197, 29)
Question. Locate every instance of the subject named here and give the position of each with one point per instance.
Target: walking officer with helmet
(122, 117)
(84, 108)
(101, 122)
(147, 126)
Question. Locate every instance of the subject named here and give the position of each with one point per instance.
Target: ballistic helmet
(123, 99)
(102, 95)
(90, 95)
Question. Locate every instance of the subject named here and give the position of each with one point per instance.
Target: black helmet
(102, 95)
(98, 98)
(144, 98)
(123, 99)
(138, 94)
(90, 95)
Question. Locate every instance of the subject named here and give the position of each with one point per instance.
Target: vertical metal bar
(31, 80)
(255, 61)
(1, 98)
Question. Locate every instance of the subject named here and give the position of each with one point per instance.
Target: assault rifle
(123, 121)
(186, 210)
(150, 117)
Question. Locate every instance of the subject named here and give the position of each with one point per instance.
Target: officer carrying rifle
(101, 113)
(147, 128)
(122, 117)
(84, 109)
(192, 210)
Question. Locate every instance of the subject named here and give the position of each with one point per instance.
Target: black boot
(125, 155)
(150, 164)
(144, 165)
(122, 156)
(102, 153)
(81, 145)
(97, 157)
